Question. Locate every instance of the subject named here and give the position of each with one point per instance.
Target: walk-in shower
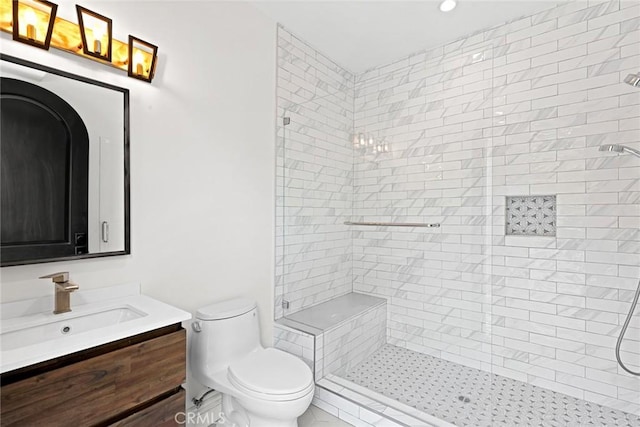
(517, 309)
(616, 148)
(633, 80)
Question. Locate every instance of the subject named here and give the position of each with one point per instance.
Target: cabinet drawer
(97, 389)
(164, 413)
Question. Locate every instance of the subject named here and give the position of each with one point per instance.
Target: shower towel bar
(394, 224)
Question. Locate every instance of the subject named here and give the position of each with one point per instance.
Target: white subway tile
(526, 120)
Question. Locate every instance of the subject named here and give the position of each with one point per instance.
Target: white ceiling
(359, 35)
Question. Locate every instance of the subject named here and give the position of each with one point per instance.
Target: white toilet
(261, 387)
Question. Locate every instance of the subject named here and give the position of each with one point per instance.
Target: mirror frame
(127, 165)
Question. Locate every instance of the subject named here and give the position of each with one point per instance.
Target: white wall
(202, 157)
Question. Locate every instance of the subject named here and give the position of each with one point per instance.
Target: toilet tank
(229, 330)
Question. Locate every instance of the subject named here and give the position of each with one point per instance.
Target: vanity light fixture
(448, 5)
(33, 22)
(95, 31)
(142, 59)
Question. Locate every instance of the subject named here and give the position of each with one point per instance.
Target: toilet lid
(226, 309)
(272, 372)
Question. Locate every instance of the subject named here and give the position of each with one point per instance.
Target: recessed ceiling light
(448, 5)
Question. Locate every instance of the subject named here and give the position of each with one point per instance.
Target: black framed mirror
(64, 152)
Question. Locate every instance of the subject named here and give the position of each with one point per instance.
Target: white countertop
(23, 314)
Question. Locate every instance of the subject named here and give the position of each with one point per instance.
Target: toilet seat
(271, 374)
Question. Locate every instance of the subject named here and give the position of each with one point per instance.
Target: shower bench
(332, 338)
(335, 335)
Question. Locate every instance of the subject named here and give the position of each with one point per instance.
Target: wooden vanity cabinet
(131, 382)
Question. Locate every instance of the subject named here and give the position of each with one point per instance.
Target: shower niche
(531, 215)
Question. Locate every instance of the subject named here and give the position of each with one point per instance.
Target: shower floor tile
(470, 397)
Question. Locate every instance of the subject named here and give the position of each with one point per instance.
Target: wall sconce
(95, 31)
(33, 22)
(142, 59)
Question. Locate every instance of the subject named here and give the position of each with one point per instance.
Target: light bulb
(448, 5)
(138, 61)
(99, 31)
(30, 19)
(371, 140)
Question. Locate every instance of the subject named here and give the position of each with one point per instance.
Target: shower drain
(464, 399)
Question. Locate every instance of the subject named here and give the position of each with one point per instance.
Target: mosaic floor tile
(470, 397)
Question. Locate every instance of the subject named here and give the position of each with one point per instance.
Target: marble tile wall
(351, 342)
(516, 110)
(346, 409)
(313, 176)
(296, 342)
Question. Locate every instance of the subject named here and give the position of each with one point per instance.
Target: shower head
(633, 80)
(616, 148)
(612, 147)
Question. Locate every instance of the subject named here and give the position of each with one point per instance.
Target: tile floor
(469, 397)
(316, 417)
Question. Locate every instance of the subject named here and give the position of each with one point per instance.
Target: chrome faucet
(63, 289)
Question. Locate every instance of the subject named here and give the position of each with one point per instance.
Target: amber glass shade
(96, 33)
(33, 22)
(142, 59)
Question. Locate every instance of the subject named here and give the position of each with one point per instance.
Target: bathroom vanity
(116, 362)
(134, 381)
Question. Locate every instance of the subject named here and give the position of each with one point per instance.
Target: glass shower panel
(316, 187)
(422, 235)
(406, 304)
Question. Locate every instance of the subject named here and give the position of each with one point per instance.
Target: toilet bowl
(261, 387)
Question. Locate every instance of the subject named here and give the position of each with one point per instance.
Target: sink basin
(53, 329)
(30, 333)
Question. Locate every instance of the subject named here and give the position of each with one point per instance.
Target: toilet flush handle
(196, 326)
